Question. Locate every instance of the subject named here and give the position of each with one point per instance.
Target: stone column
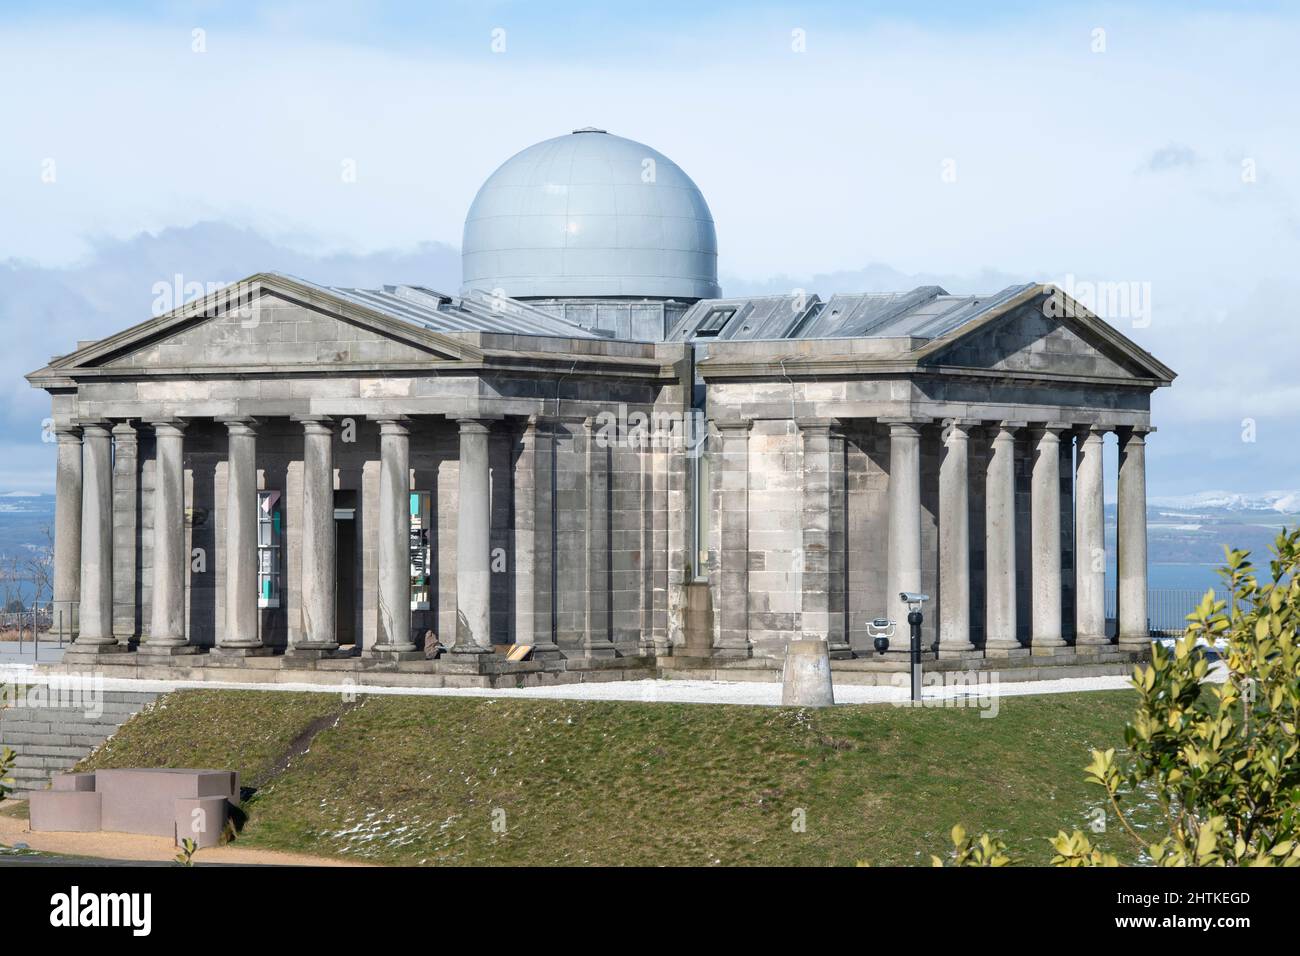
(534, 542)
(954, 540)
(904, 522)
(731, 539)
(241, 633)
(96, 602)
(394, 558)
(473, 531)
(1090, 539)
(319, 571)
(1045, 540)
(67, 530)
(596, 641)
(167, 630)
(1000, 544)
(126, 489)
(822, 530)
(1132, 538)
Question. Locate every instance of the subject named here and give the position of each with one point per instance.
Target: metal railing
(34, 626)
(1167, 608)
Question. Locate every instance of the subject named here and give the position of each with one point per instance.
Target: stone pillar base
(950, 652)
(169, 650)
(838, 650)
(308, 653)
(251, 650)
(1051, 649)
(1092, 640)
(1047, 649)
(1005, 650)
(385, 653)
(89, 653)
(600, 653)
(546, 651)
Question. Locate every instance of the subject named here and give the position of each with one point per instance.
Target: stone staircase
(50, 740)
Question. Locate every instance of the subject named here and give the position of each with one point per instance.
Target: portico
(538, 480)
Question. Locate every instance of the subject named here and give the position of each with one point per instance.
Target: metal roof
(473, 312)
(926, 312)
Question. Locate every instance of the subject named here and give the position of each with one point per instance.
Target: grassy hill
(429, 780)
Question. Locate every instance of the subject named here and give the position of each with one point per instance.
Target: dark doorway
(345, 543)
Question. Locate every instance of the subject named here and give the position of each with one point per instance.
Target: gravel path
(139, 847)
(766, 694)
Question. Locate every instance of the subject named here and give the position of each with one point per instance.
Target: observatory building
(589, 463)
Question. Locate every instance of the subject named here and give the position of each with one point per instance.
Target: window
(268, 548)
(714, 321)
(421, 553)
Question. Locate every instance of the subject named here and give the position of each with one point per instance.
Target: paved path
(11, 652)
(764, 693)
(136, 848)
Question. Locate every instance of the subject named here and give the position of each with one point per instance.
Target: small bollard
(806, 677)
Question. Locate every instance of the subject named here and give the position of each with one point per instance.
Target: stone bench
(193, 804)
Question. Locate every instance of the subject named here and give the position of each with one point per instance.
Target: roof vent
(590, 129)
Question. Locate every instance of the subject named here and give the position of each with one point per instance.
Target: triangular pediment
(1047, 333)
(268, 321)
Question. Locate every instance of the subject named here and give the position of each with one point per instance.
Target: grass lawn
(490, 781)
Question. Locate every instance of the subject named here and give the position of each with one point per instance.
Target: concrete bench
(181, 804)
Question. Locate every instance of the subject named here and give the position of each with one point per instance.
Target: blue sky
(823, 165)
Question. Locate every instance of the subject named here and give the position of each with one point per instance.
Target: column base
(1133, 642)
(546, 651)
(393, 652)
(149, 649)
(313, 652)
(952, 651)
(1001, 649)
(838, 651)
(242, 650)
(87, 653)
(1098, 640)
(600, 652)
(1047, 648)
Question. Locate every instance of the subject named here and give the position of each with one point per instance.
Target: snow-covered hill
(1284, 502)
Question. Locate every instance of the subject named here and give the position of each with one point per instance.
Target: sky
(841, 147)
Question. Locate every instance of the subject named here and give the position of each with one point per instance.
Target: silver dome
(590, 214)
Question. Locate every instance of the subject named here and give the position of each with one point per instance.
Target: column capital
(125, 432)
(315, 424)
(959, 428)
(172, 427)
(1049, 428)
(95, 427)
(480, 424)
(1128, 433)
(67, 434)
(240, 424)
(905, 427)
(813, 424)
(393, 425)
(1005, 430)
(1090, 431)
(733, 424)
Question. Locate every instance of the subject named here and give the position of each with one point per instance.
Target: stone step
(50, 740)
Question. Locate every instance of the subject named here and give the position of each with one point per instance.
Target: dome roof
(590, 214)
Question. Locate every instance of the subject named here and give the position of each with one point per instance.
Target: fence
(1167, 608)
